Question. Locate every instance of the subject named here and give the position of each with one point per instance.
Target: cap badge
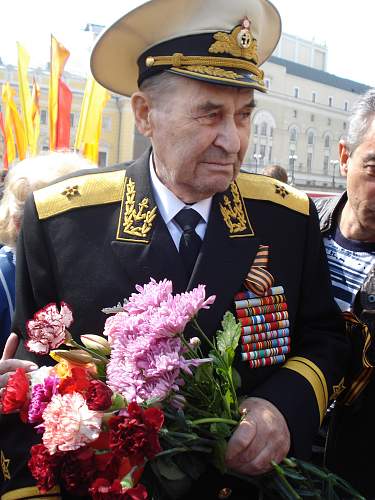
(238, 43)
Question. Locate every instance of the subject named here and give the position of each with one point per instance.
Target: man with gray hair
(348, 225)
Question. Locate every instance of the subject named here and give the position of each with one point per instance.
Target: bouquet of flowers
(140, 412)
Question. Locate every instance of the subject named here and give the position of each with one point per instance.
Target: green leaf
(236, 377)
(168, 469)
(218, 457)
(227, 339)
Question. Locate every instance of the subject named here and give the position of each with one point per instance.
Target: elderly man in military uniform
(182, 211)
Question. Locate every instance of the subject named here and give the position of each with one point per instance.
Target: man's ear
(141, 109)
(344, 158)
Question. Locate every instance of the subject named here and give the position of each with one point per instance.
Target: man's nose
(228, 137)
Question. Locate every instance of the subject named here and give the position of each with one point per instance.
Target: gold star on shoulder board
(70, 191)
(281, 191)
(5, 462)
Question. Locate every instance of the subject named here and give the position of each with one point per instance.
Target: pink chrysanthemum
(150, 295)
(47, 329)
(69, 424)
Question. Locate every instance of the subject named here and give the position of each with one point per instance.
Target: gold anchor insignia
(338, 389)
(70, 191)
(5, 462)
(238, 43)
(281, 191)
(132, 216)
(233, 212)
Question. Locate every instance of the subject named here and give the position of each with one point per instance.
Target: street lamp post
(333, 164)
(294, 158)
(257, 158)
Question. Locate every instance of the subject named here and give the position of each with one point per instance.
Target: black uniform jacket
(88, 239)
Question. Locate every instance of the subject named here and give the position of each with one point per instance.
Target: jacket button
(224, 493)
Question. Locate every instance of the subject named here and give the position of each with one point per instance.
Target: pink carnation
(69, 424)
(47, 329)
(40, 397)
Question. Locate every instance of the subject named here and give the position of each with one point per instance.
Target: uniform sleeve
(35, 282)
(302, 388)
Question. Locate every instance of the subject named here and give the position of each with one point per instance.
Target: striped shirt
(349, 263)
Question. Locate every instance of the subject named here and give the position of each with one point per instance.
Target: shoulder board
(84, 190)
(261, 187)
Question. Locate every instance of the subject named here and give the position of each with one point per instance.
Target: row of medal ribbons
(265, 326)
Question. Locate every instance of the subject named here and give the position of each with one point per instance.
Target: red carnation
(104, 490)
(79, 381)
(15, 395)
(135, 435)
(98, 396)
(78, 470)
(44, 467)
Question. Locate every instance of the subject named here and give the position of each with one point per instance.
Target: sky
(345, 27)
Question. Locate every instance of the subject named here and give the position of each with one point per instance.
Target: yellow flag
(9, 137)
(59, 56)
(90, 121)
(24, 92)
(35, 116)
(16, 122)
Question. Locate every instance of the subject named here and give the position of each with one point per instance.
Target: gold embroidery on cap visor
(240, 44)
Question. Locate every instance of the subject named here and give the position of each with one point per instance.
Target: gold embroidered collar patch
(234, 213)
(135, 222)
(5, 462)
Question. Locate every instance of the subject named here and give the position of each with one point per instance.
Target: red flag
(63, 117)
(5, 155)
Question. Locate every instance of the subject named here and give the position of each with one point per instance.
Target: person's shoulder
(97, 186)
(261, 187)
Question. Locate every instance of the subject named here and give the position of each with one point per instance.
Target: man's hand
(262, 436)
(8, 365)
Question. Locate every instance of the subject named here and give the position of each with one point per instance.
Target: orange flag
(12, 119)
(24, 92)
(59, 56)
(5, 154)
(35, 116)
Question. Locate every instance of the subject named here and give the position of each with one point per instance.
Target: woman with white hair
(23, 178)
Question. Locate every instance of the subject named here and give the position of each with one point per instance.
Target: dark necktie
(190, 242)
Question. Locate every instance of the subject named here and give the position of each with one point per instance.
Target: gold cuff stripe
(91, 189)
(32, 492)
(178, 60)
(260, 187)
(312, 373)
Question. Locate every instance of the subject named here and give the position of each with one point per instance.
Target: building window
(102, 161)
(263, 128)
(310, 138)
(262, 151)
(330, 100)
(325, 165)
(329, 121)
(296, 92)
(309, 162)
(43, 116)
(72, 119)
(256, 129)
(293, 135)
(344, 125)
(271, 131)
(267, 83)
(312, 118)
(327, 141)
(294, 113)
(270, 154)
(346, 106)
(313, 97)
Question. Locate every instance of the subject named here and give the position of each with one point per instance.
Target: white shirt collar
(169, 205)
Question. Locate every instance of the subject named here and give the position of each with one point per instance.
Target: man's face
(200, 134)
(360, 173)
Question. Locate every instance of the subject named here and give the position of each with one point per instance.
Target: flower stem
(94, 354)
(213, 420)
(201, 332)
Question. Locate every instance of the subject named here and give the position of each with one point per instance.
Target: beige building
(297, 124)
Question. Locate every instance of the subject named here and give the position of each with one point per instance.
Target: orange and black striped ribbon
(258, 279)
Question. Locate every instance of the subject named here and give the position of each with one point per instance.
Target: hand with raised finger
(8, 365)
(261, 437)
